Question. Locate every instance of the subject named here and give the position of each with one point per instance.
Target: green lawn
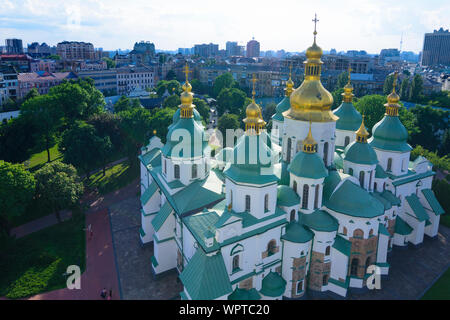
(34, 211)
(440, 290)
(116, 177)
(36, 263)
(37, 160)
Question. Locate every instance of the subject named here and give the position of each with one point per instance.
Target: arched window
(358, 233)
(325, 280)
(354, 267)
(325, 153)
(375, 186)
(370, 179)
(247, 203)
(305, 196)
(292, 218)
(316, 197)
(165, 166)
(347, 141)
(350, 171)
(266, 202)
(194, 171)
(294, 186)
(367, 264)
(231, 197)
(236, 263)
(384, 186)
(327, 251)
(389, 165)
(299, 287)
(344, 231)
(271, 247)
(177, 171)
(361, 178)
(371, 232)
(288, 150)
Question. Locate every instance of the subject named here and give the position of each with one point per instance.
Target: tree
(108, 125)
(124, 103)
(31, 94)
(269, 111)
(58, 186)
(441, 189)
(160, 121)
(202, 108)
(172, 87)
(17, 187)
(46, 115)
(337, 98)
(110, 63)
(388, 85)
(17, 138)
(227, 121)
(341, 80)
(231, 100)
(416, 88)
(172, 101)
(372, 106)
(198, 87)
(222, 82)
(171, 75)
(405, 90)
(445, 146)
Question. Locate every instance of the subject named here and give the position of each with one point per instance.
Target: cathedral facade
(312, 207)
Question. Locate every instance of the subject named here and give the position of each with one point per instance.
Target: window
(247, 203)
(271, 247)
(266, 202)
(177, 171)
(231, 197)
(347, 141)
(371, 232)
(389, 165)
(354, 267)
(344, 231)
(325, 153)
(375, 186)
(327, 251)
(292, 218)
(294, 186)
(358, 233)
(288, 151)
(165, 166)
(350, 171)
(236, 263)
(361, 178)
(194, 171)
(305, 196)
(299, 287)
(325, 280)
(316, 197)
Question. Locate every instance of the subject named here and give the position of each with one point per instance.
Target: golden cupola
(253, 121)
(393, 99)
(311, 101)
(186, 97)
(289, 84)
(348, 89)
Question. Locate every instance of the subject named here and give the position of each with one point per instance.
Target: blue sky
(344, 25)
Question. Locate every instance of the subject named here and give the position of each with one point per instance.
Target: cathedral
(305, 209)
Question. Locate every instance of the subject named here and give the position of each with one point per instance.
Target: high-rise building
(14, 46)
(232, 49)
(74, 50)
(253, 48)
(206, 50)
(436, 48)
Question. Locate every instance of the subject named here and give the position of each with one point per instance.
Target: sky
(112, 24)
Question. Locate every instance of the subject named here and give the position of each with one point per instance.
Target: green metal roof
(390, 134)
(342, 245)
(361, 153)
(401, 227)
(287, 197)
(273, 285)
(386, 203)
(338, 161)
(297, 233)
(380, 173)
(417, 207)
(284, 175)
(205, 277)
(161, 216)
(382, 229)
(153, 158)
(349, 118)
(389, 196)
(432, 201)
(202, 224)
(176, 117)
(244, 294)
(412, 177)
(281, 107)
(320, 220)
(148, 193)
(189, 146)
(308, 165)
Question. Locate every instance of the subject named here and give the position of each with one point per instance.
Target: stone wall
(298, 273)
(361, 250)
(317, 270)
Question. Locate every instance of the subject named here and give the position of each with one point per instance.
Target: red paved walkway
(100, 264)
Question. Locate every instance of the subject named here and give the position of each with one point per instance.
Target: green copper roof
(386, 203)
(417, 207)
(283, 106)
(380, 173)
(148, 193)
(382, 229)
(176, 117)
(411, 176)
(388, 195)
(297, 233)
(202, 225)
(349, 118)
(205, 277)
(338, 161)
(342, 245)
(401, 227)
(244, 294)
(390, 134)
(153, 158)
(273, 285)
(224, 155)
(352, 200)
(308, 165)
(189, 146)
(320, 220)
(287, 197)
(162, 215)
(361, 153)
(432, 201)
(284, 176)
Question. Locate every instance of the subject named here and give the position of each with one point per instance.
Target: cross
(315, 20)
(349, 73)
(254, 82)
(186, 71)
(290, 69)
(394, 84)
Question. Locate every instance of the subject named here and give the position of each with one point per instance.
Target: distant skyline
(112, 24)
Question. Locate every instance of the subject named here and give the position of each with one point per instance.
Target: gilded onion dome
(311, 100)
(253, 121)
(187, 97)
(284, 104)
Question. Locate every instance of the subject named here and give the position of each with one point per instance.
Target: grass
(34, 211)
(116, 177)
(38, 160)
(36, 263)
(441, 289)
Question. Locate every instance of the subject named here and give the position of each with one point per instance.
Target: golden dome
(361, 133)
(253, 122)
(309, 144)
(252, 110)
(314, 52)
(348, 89)
(393, 99)
(186, 97)
(289, 84)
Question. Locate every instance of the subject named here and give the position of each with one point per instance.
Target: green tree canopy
(337, 98)
(171, 75)
(232, 100)
(172, 101)
(416, 88)
(58, 186)
(202, 108)
(17, 139)
(124, 103)
(160, 121)
(341, 80)
(110, 63)
(222, 82)
(372, 106)
(172, 87)
(108, 125)
(31, 94)
(388, 85)
(227, 121)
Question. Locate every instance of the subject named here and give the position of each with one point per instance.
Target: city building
(206, 50)
(253, 49)
(104, 80)
(74, 50)
(9, 75)
(129, 78)
(21, 62)
(13, 46)
(322, 219)
(3, 91)
(232, 49)
(436, 48)
(36, 50)
(142, 53)
(41, 80)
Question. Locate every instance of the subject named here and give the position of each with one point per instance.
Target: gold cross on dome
(315, 20)
(254, 83)
(349, 73)
(290, 69)
(394, 84)
(186, 71)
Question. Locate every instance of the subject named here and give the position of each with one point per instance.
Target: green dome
(320, 220)
(287, 197)
(338, 161)
(244, 294)
(247, 165)
(360, 153)
(308, 165)
(194, 146)
(349, 118)
(273, 285)
(390, 134)
(297, 233)
(283, 106)
(176, 117)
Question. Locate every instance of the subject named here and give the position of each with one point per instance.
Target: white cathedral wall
(293, 250)
(382, 249)
(189, 244)
(185, 169)
(369, 173)
(164, 246)
(321, 241)
(340, 137)
(144, 178)
(400, 161)
(339, 267)
(277, 131)
(301, 182)
(150, 210)
(354, 223)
